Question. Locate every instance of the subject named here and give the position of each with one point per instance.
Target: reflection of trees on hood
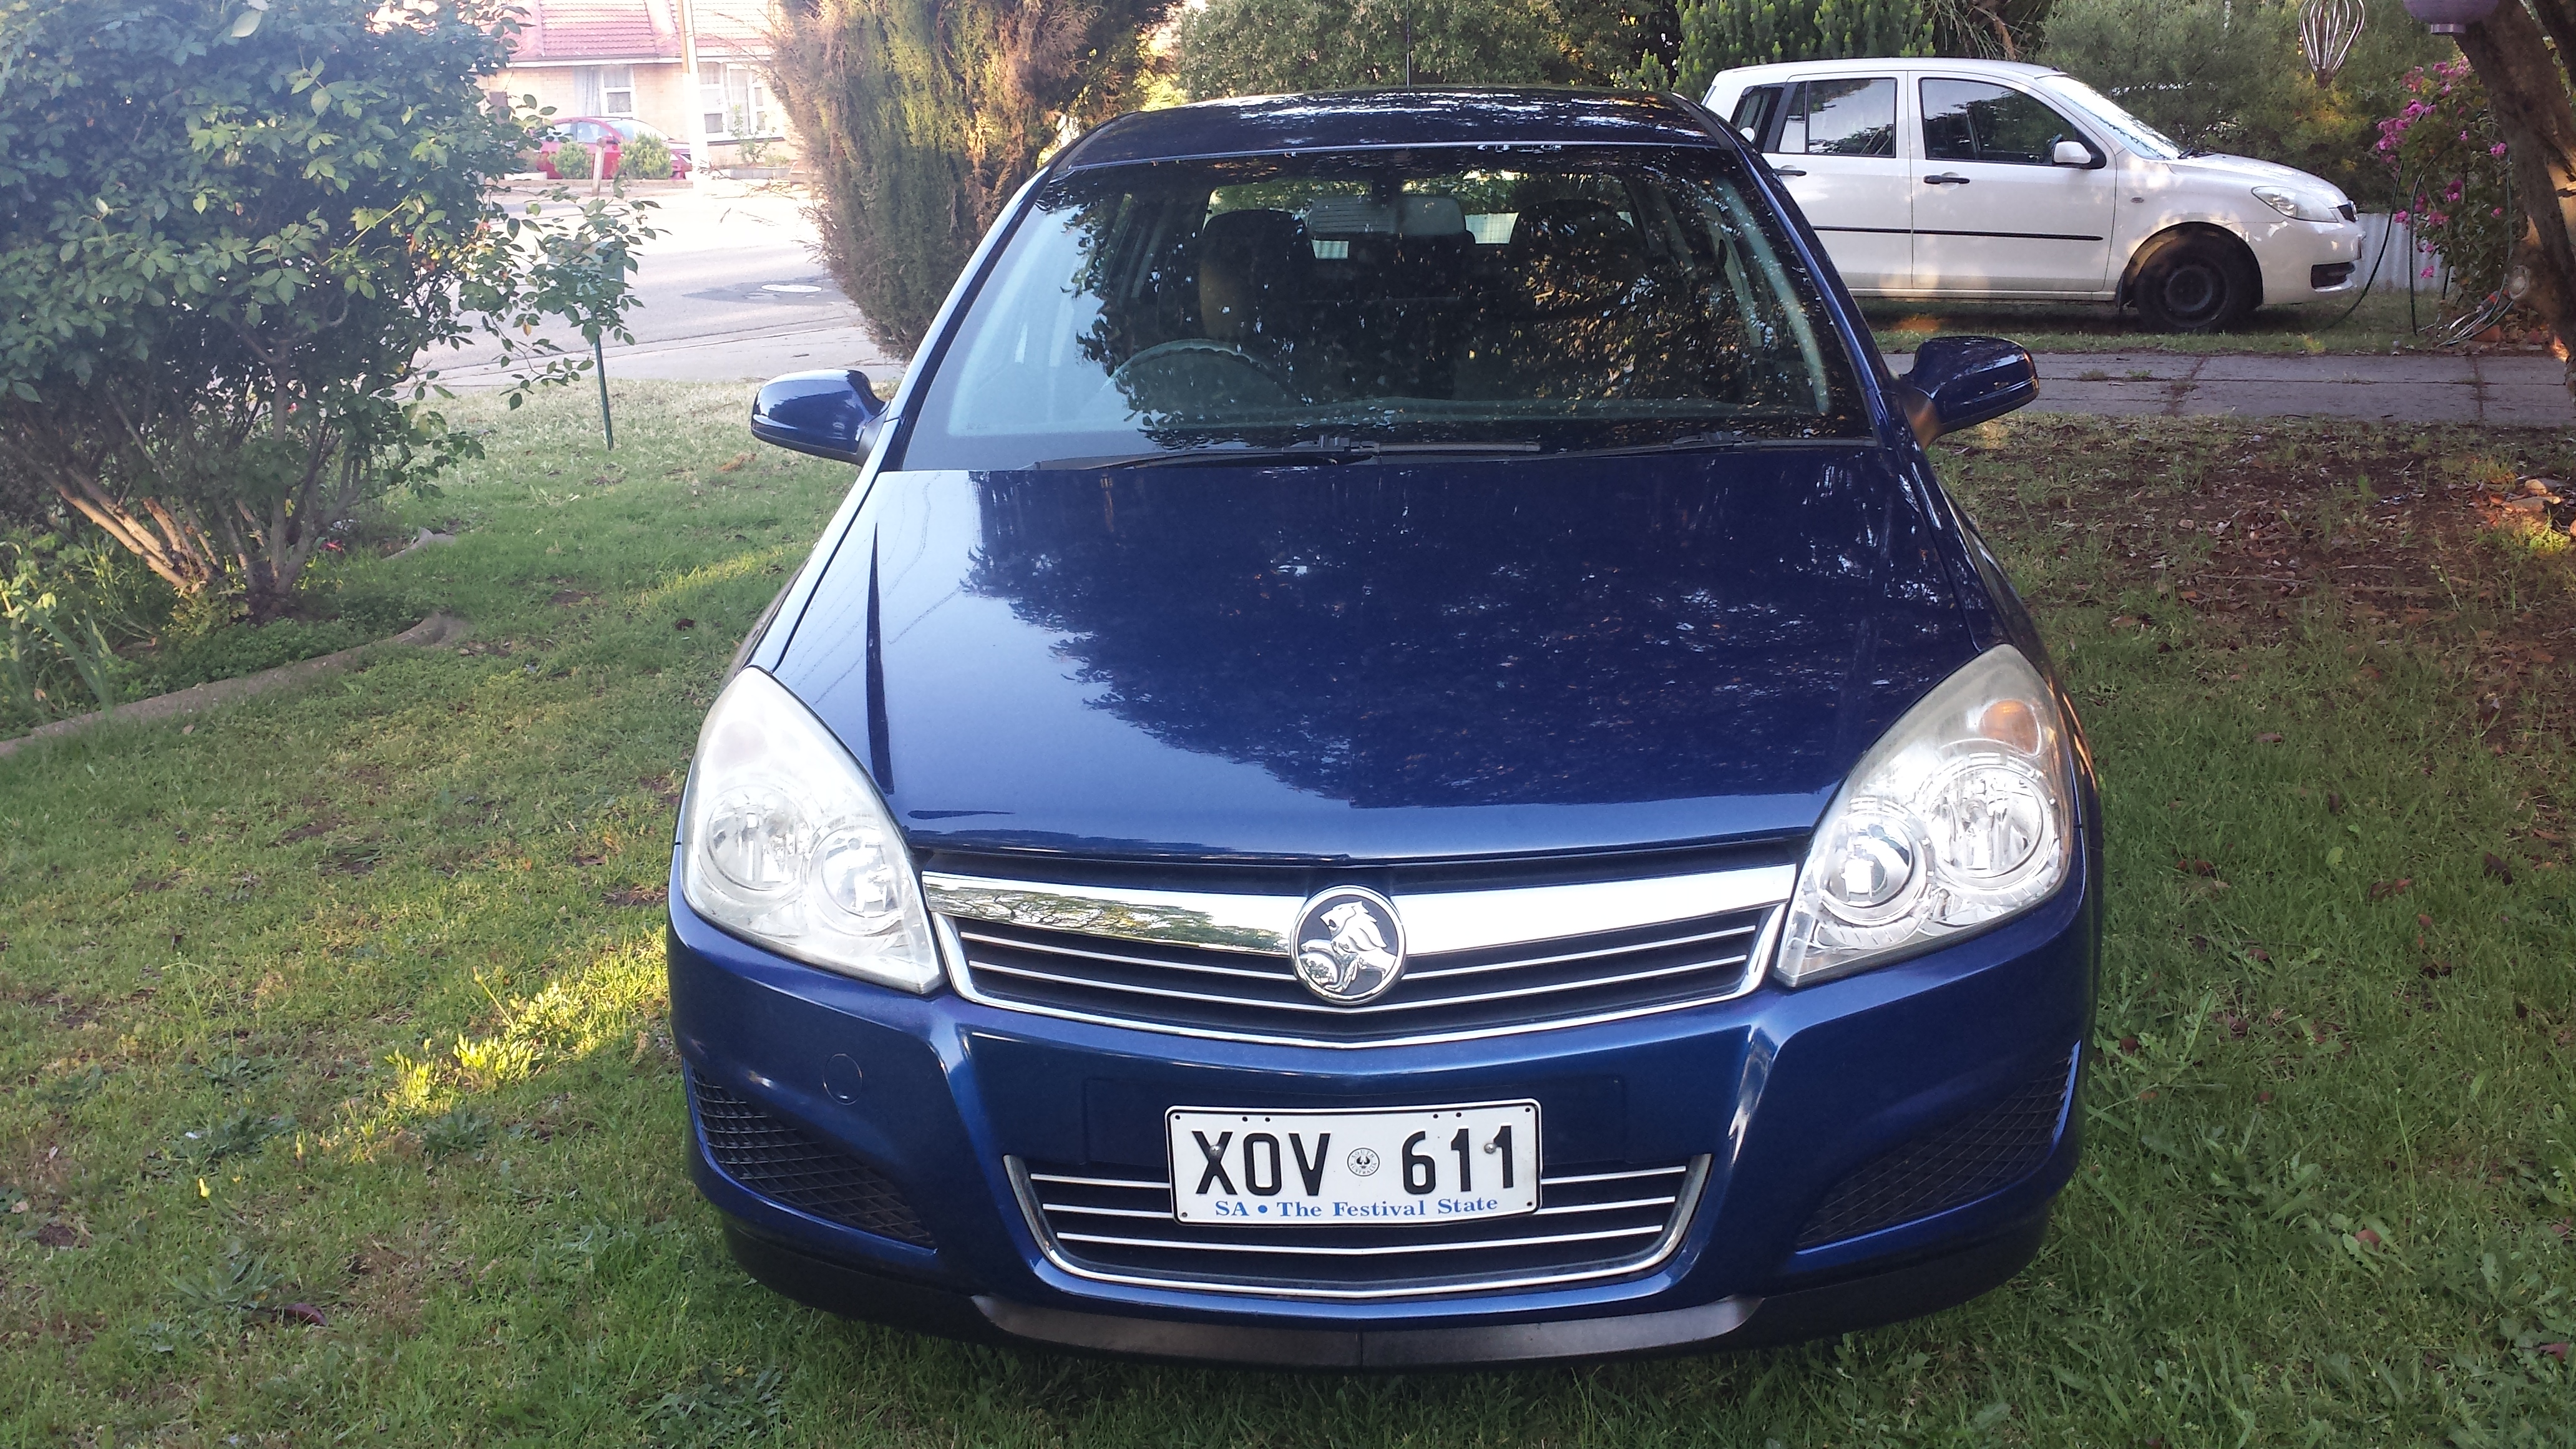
(1396, 638)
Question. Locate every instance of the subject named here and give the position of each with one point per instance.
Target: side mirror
(2075, 154)
(830, 414)
(1959, 382)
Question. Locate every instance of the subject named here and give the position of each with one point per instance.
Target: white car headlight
(1959, 817)
(2300, 205)
(783, 841)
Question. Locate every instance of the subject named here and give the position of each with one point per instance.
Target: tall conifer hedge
(919, 118)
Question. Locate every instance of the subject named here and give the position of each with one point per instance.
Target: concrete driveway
(732, 290)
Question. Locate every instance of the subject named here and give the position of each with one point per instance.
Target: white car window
(1966, 120)
(1846, 116)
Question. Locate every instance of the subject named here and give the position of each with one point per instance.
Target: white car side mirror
(2071, 153)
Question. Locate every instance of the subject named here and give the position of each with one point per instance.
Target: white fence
(2401, 256)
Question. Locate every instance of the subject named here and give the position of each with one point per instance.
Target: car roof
(1361, 120)
(2003, 69)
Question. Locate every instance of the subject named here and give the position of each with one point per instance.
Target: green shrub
(2228, 75)
(572, 161)
(646, 159)
(230, 230)
(1719, 35)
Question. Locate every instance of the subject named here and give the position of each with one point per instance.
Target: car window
(1755, 110)
(1846, 116)
(1540, 300)
(1975, 121)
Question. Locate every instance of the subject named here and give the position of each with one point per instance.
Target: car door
(1833, 141)
(1993, 214)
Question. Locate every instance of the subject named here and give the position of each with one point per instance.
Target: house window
(736, 99)
(604, 90)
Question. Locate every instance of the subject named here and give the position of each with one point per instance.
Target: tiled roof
(731, 27)
(598, 30)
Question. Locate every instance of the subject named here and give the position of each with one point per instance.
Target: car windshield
(2137, 135)
(1527, 302)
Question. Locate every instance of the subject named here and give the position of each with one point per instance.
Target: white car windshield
(2135, 134)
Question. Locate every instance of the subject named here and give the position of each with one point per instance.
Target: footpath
(2513, 391)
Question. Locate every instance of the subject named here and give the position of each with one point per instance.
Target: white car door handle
(1787, 171)
(1946, 178)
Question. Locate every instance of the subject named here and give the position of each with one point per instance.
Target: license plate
(1393, 1167)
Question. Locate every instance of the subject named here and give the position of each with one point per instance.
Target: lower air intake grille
(1957, 1164)
(1600, 1221)
(781, 1162)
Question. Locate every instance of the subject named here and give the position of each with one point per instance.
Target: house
(692, 69)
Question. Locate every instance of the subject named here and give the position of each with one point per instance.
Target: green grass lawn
(2380, 324)
(339, 1106)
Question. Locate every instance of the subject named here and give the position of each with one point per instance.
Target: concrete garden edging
(431, 632)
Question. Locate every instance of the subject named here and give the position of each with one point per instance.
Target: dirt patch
(2456, 538)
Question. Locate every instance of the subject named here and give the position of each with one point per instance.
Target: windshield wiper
(1322, 451)
(1687, 443)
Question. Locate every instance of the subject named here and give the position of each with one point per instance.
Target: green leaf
(248, 21)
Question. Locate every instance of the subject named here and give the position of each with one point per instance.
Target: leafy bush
(1719, 35)
(2229, 75)
(1259, 47)
(572, 162)
(646, 159)
(228, 233)
(2446, 149)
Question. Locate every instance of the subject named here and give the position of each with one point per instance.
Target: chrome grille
(1482, 963)
(1605, 1220)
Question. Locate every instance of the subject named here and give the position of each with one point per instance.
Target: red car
(606, 136)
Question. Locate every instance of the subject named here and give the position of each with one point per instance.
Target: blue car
(1397, 759)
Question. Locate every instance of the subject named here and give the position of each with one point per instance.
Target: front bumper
(1788, 1098)
(2308, 261)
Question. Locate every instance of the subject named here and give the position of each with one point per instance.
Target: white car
(1966, 179)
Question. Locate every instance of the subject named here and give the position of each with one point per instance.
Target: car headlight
(784, 842)
(1958, 818)
(2299, 205)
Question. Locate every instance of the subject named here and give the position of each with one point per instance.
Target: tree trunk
(2528, 88)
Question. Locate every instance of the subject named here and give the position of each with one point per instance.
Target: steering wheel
(1207, 366)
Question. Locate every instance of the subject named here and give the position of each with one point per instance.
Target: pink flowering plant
(2450, 159)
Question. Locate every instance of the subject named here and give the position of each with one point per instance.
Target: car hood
(1379, 661)
(2216, 169)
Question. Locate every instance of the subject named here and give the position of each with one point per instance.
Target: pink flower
(2496, 150)
(2499, 211)
(2428, 274)
(2401, 218)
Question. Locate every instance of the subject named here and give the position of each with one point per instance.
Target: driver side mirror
(1959, 382)
(2075, 154)
(833, 414)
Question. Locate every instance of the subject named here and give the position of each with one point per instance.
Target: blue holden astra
(1397, 759)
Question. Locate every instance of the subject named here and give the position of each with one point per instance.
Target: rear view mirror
(830, 414)
(1959, 382)
(2073, 153)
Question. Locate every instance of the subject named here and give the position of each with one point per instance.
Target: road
(731, 291)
